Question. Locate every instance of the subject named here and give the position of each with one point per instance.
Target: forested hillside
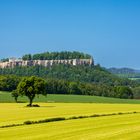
(68, 79)
(122, 70)
(88, 74)
(125, 72)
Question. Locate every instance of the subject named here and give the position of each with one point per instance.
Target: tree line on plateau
(56, 56)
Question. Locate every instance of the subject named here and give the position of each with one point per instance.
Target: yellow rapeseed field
(108, 127)
(17, 113)
(123, 127)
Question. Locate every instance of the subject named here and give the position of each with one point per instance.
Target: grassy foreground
(5, 97)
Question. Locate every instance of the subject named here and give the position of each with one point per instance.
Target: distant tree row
(56, 56)
(122, 71)
(65, 87)
(9, 82)
(55, 86)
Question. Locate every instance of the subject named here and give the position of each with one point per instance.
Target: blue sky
(107, 29)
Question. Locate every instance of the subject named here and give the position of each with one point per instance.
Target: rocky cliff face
(18, 62)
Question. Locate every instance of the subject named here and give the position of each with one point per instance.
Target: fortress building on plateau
(13, 62)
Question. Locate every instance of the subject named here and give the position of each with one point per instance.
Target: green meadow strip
(69, 118)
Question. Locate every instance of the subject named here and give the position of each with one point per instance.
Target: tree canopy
(57, 55)
(31, 87)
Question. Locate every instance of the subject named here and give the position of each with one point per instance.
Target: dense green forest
(56, 56)
(55, 86)
(87, 74)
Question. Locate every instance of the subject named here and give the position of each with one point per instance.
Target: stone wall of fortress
(47, 63)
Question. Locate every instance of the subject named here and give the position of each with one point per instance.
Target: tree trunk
(31, 100)
(16, 99)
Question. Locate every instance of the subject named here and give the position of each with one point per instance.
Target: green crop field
(5, 97)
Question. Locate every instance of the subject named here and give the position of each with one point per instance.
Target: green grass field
(117, 127)
(5, 97)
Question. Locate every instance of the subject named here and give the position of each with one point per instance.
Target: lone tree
(31, 87)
